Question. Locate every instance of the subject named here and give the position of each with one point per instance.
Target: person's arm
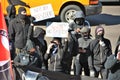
(111, 61)
(18, 2)
(11, 31)
(65, 47)
(48, 52)
(30, 32)
(90, 55)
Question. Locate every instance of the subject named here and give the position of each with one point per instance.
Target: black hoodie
(11, 12)
(99, 53)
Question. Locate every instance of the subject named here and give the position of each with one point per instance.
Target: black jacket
(11, 13)
(114, 66)
(18, 31)
(99, 53)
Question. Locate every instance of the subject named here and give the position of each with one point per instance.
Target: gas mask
(79, 21)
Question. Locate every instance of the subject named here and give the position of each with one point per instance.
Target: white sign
(42, 12)
(57, 29)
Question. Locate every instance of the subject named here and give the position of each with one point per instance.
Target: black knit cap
(21, 9)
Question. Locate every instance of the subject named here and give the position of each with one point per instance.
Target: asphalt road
(109, 19)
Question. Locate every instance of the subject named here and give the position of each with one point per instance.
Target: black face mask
(100, 37)
(22, 16)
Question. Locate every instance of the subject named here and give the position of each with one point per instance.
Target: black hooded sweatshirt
(11, 13)
(99, 53)
(19, 30)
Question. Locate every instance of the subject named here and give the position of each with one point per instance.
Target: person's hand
(118, 55)
(49, 47)
(81, 50)
(32, 19)
(101, 43)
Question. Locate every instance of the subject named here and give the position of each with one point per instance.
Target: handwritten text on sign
(57, 29)
(42, 12)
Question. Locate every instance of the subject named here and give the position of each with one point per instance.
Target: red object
(5, 61)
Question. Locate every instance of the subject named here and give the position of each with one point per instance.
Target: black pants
(79, 65)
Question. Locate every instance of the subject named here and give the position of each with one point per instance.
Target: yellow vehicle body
(58, 6)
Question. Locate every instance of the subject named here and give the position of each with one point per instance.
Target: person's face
(85, 35)
(79, 21)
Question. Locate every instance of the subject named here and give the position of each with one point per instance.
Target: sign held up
(57, 29)
(42, 12)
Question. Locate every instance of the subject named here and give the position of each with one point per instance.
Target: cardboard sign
(42, 12)
(57, 29)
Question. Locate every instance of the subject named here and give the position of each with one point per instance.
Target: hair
(21, 9)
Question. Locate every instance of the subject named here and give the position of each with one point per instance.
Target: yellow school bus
(62, 8)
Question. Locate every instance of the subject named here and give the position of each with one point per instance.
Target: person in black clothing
(113, 64)
(81, 60)
(19, 30)
(40, 43)
(72, 48)
(11, 13)
(28, 57)
(78, 21)
(100, 49)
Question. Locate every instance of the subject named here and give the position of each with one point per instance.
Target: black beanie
(21, 9)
